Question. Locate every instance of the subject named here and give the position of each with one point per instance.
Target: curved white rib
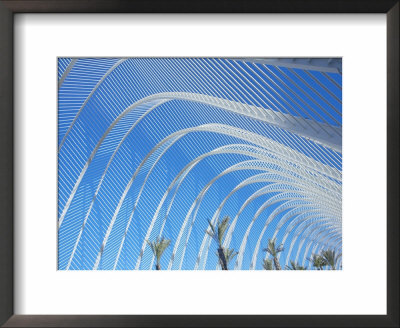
(306, 215)
(336, 200)
(328, 228)
(99, 186)
(316, 232)
(301, 213)
(297, 222)
(87, 99)
(326, 240)
(324, 223)
(155, 100)
(66, 72)
(277, 178)
(307, 187)
(194, 217)
(183, 132)
(225, 130)
(294, 200)
(323, 198)
(273, 187)
(302, 179)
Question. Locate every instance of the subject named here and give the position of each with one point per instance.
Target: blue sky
(148, 174)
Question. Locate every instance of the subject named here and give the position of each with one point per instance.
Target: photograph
(156, 153)
(199, 163)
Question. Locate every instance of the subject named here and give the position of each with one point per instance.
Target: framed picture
(227, 151)
(247, 162)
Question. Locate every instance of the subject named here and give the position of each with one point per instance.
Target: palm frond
(211, 226)
(212, 233)
(159, 246)
(267, 264)
(318, 261)
(230, 254)
(330, 257)
(294, 266)
(272, 249)
(162, 246)
(222, 226)
(218, 230)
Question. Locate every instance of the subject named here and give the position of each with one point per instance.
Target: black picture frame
(10, 7)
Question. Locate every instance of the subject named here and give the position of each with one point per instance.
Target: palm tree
(295, 266)
(229, 255)
(274, 251)
(158, 247)
(217, 233)
(330, 258)
(318, 261)
(267, 264)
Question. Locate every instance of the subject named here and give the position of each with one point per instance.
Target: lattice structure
(152, 147)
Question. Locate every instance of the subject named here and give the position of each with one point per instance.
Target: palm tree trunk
(276, 263)
(222, 258)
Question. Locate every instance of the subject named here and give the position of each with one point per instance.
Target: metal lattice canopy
(152, 147)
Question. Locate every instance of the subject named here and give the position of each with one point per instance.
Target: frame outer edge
(7, 189)
(393, 167)
(6, 165)
(204, 6)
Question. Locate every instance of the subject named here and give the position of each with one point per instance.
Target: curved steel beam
(290, 203)
(206, 128)
(311, 202)
(66, 72)
(315, 228)
(273, 187)
(87, 99)
(296, 214)
(155, 100)
(250, 180)
(318, 227)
